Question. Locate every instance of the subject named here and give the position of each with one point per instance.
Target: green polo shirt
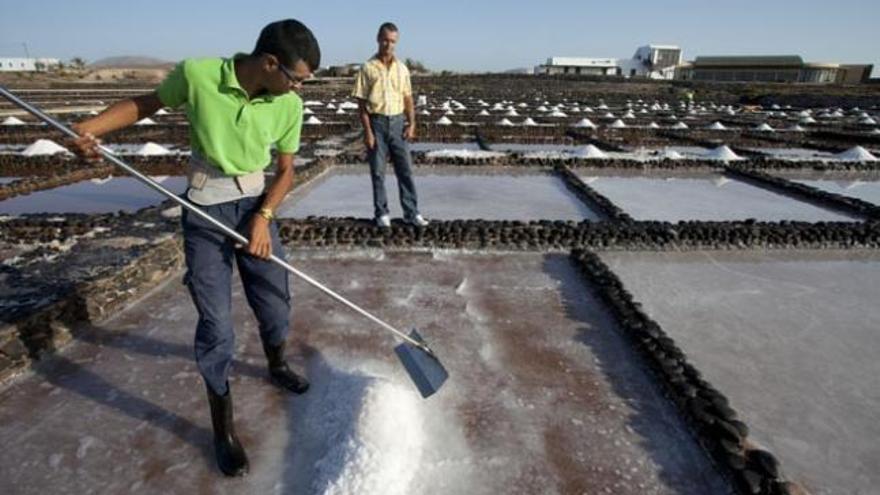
(227, 128)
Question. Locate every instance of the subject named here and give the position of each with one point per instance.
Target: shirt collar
(230, 81)
(378, 60)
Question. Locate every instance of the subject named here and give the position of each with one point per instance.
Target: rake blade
(425, 370)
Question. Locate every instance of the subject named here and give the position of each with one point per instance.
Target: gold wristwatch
(266, 213)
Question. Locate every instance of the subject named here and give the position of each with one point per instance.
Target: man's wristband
(266, 213)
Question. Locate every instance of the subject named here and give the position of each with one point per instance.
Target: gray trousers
(388, 131)
(209, 258)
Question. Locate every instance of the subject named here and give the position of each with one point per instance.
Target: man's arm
(260, 239)
(410, 109)
(119, 115)
(369, 138)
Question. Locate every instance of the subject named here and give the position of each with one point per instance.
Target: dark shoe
(280, 372)
(230, 454)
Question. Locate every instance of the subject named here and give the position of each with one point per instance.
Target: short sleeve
(361, 90)
(173, 91)
(289, 141)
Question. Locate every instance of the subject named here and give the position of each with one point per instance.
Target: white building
(20, 64)
(654, 61)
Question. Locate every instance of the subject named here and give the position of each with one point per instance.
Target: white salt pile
(717, 126)
(42, 147)
(585, 123)
(145, 121)
(617, 124)
(557, 113)
(161, 111)
(765, 127)
(12, 121)
(152, 149)
(529, 122)
(856, 154)
(680, 125)
(669, 154)
(444, 121)
(505, 123)
(313, 121)
(590, 151)
(723, 153)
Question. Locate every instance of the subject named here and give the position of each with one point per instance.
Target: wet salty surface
(544, 396)
(92, 196)
(791, 338)
(710, 198)
(868, 190)
(444, 194)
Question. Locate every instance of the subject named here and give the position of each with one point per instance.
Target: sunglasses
(296, 81)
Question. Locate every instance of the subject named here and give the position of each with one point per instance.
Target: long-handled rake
(420, 362)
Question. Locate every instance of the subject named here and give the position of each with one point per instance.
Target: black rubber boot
(280, 373)
(230, 454)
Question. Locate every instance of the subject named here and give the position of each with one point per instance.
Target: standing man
(237, 108)
(384, 94)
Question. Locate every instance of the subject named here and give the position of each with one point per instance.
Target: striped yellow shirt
(383, 88)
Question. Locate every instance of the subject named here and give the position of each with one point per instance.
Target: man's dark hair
(387, 26)
(290, 41)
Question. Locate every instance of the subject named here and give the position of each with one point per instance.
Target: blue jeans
(388, 132)
(209, 257)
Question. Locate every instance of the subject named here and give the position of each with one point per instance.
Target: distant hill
(129, 61)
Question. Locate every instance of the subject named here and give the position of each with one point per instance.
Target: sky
(474, 35)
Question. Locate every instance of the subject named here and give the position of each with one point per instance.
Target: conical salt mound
(796, 128)
(152, 149)
(765, 127)
(529, 122)
(857, 154)
(512, 113)
(867, 121)
(44, 147)
(313, 121)
(717, 126)
(483, 113)
(585, 123)
(161, 111)
(443, 121)
(145, 121)
(617, 124)
(590, 151)
(680, 125)
(808, 120)
(723, 153)
(558, 114)
(307, 111)
(669, 154)
(13, 121)
(505, 123)
(653, 125)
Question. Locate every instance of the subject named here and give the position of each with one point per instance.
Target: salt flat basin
(791, 338)
(544, 394)
(708, 197)
(7, 180)
(444, 194)
(116, 194)
(866, 190)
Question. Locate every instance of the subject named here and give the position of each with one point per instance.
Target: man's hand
(260, 239)
(86, 145)
(369, 140)
(409, 132)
